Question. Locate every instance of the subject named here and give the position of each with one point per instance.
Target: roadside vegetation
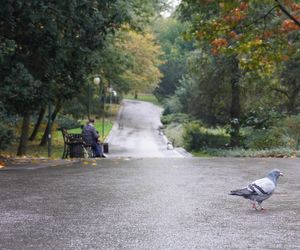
(144, 97)
(237, 83)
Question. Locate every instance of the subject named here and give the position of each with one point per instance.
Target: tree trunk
(38, 123)
(53, 116)
(235, 110)
(135, 95)
(24, 135)
(291, 105)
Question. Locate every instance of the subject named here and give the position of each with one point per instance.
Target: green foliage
(47, 49)
(174, 132)
(172, 105)
(261, 118)
(67, 122)
(19, 92)
(241, 152)
(178, 118)
(247, 58)
(292, 126)
(197, 137)
(283, 133)
(144, 97)
(169, 33)
(265, 139)
(289, 86)
(6, 136)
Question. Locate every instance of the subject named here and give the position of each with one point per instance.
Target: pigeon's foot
(254, 205)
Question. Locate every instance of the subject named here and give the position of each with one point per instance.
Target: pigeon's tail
(245, 192)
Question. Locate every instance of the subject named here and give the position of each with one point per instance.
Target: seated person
(90, 136)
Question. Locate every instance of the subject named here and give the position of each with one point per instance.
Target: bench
(74, 146)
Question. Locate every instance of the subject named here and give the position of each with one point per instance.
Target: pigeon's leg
(254, 205)
(261, 208)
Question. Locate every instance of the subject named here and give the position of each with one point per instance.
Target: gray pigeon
(259, 190)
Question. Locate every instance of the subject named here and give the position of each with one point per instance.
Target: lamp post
(103, 110)
(49, 128)
(96, 81)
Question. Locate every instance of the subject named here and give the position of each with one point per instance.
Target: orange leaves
(243, 6)
(267, 34)
(295, 7)
(237, 14)
(234, 35)
(285, 58)
(289, 25)
(217, 44)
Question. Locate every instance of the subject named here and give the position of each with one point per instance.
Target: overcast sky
(174, 3)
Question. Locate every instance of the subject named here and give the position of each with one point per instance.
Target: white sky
(174, 4)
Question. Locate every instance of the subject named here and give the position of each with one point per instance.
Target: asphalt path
(162, 203)
(136, 133)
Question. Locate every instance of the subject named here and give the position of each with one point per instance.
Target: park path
(162, 203)
(136, 132)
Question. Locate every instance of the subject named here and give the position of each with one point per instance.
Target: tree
(169, 34)
(52, 43)
(255, 35)
(144, 55)
(20, 93)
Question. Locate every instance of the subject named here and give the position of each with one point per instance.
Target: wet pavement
(136, 133)
(149, 203)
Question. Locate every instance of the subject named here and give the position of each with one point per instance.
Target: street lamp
(96, 81)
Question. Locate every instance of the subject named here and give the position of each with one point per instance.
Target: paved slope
(135, 134)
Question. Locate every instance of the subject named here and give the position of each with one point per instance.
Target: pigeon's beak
(280, 174)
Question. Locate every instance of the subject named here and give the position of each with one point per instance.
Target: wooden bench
(74, 146)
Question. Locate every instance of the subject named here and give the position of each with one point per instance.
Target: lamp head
(96, 80)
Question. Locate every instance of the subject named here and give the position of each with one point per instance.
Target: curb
(34, 163)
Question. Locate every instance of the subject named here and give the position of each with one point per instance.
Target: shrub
(240, 152)
(67, 122)
(197, 137)
(292, 125)
(172, 105)
(261, 118)
(175, 118)
(265, 139)
(174, 133)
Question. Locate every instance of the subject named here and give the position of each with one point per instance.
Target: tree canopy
(47, 48)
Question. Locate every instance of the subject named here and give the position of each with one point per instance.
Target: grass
(144, 97)
(239, 152)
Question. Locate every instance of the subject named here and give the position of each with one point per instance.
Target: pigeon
(259, 190)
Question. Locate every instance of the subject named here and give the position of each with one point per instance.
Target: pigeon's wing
(262, 186)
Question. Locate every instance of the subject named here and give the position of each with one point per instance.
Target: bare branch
(285, 11)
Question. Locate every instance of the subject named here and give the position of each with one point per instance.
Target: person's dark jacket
(89, 134)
